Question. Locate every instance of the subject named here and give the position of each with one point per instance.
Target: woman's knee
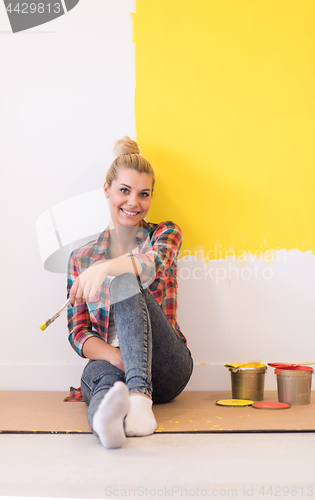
(123, 286)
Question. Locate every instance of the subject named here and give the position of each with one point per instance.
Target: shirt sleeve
(79, 322)
(160, 252)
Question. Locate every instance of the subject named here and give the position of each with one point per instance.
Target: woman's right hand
(97, 349)
(116, 359)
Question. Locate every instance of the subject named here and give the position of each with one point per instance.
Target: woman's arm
(86, 284)
(121, 265)
(95, 348)
(86, 342)
(79, 322)
(160, 255)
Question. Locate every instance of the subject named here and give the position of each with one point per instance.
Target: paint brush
(55, 316)
(304, 363)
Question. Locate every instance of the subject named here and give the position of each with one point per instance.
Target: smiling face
(129, 197)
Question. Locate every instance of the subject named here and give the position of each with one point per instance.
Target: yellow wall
(225, 112)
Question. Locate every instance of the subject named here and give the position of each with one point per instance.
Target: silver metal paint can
(248, 383)
(294, 386)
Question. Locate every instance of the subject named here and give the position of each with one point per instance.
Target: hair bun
(126, 146)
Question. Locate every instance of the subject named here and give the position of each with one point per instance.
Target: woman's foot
(108, 421)
(140, 420)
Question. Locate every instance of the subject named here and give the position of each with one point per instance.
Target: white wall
(67, 92)
(262, 308)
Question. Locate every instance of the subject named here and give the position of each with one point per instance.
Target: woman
(123, 294)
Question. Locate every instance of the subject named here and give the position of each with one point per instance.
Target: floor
(264, 465)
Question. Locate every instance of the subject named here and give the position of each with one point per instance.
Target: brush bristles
(49, 321)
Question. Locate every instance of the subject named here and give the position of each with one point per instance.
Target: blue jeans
(156, 360)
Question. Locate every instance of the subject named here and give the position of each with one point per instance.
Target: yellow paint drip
(224, 109)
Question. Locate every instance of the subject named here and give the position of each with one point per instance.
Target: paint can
(294, 385)
(248, 382)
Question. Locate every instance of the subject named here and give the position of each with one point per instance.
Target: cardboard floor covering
(46, 412)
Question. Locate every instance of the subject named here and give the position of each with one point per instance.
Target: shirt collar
(103, 240)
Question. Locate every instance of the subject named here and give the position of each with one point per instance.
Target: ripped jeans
(156, 360)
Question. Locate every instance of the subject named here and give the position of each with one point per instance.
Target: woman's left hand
(88, 283)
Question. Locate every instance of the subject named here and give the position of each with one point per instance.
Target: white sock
(108, 421)
(140, 420)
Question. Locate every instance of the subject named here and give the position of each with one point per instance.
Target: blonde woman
(123, 293)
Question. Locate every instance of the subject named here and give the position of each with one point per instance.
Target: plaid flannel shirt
(158, 249)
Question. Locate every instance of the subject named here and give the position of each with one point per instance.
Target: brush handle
(304, 363)
(63, 307)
